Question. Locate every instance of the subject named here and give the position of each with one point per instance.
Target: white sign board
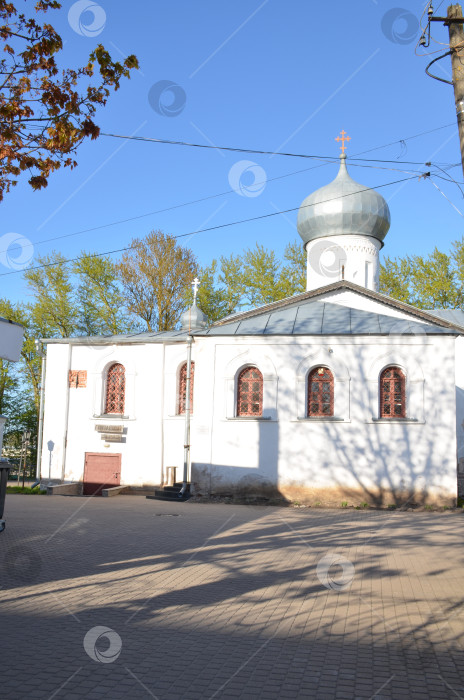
(11, 340)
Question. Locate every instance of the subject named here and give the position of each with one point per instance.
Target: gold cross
(343, 138)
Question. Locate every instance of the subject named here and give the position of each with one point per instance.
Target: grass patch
(26, 489)
(344, 504)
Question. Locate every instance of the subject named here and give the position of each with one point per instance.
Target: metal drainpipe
(163, 476)
(187, 418)
(41, 352)
(66, 415)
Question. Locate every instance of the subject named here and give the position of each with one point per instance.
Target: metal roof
(455, 316)
(309, 317)
(339, 286)
(343, 207)
(132, 338)
(305, 314)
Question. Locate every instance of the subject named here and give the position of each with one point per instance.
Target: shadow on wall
(244, 482)
(362, 461)
(460, 445)
(397, 463)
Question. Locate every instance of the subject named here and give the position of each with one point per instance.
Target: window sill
(395, 420)
(252, 418)
(322, 419)
(112, 416)
(178, 416)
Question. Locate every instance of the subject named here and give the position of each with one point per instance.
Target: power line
(185, 204)
(255, 151)
(408, 138)
(215, 228)
(448, 200)
(221, 194)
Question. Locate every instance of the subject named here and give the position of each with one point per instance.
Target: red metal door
(101, 471)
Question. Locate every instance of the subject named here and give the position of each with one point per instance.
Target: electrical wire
(451, 179)
(251, 150)
(214, 228)
(221, 194)
(448, 200)
(408, 138)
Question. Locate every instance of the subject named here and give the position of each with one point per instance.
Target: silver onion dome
(193, 319)
(343, 207)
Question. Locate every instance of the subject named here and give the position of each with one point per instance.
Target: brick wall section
(78, 378)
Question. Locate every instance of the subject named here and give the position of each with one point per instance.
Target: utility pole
(454, 21)
(456, 42)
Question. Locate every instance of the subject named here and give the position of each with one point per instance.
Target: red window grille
(115, 389)
(392, 393)
(320, 392)
(250, 392)
(183, 387)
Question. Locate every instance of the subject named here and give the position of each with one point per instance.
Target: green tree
(19, 382)
(155, 274)
(395, 277)
(257, 277)
(45, 112)
(435, 281)
(293, 273)
(212, 299)
(230, 279)
(99, 297)
(54, 313)
(261, 276)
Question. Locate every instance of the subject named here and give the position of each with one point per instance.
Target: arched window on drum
(320, 393)
(115, 389)
(250, 392)
(392, 393)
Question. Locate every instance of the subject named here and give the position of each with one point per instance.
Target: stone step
(169, 496)
(175, 489)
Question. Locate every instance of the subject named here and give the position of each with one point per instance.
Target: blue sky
(256, 74)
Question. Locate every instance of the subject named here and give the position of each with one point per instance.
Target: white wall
(350, 257)
(356, 451)
(460, 411)
(142, 444)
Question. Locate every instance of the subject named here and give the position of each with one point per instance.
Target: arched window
(115, 389)
(320, 392)
(250, 392)
(392, 393)
(183, 388)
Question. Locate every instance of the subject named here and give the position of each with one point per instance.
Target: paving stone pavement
(131, 598)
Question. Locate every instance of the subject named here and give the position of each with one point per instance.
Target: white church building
(336, 394)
